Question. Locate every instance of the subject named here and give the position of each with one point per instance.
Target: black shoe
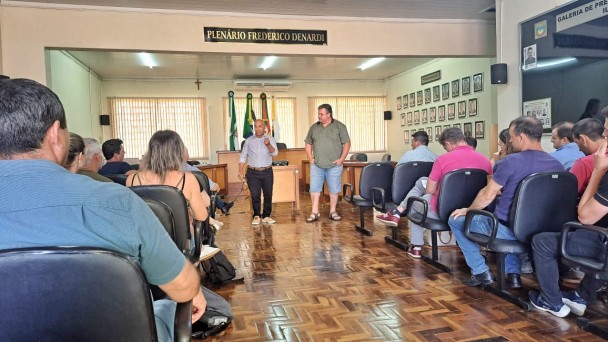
(484, 278)
(514, 280)
(226, 208)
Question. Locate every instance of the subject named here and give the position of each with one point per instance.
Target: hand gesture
(600, 159)
(338, 161)
(266, 141)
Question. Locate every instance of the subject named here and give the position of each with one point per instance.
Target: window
(134, 120)
(363, 117)
(284, 107)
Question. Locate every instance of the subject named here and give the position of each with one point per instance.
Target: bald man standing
(255, 165)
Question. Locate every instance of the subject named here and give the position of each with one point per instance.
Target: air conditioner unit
(263, 85)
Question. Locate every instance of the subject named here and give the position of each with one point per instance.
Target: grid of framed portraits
(421, 112)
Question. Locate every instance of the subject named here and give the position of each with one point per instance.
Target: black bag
(216, 318)
(219, 269)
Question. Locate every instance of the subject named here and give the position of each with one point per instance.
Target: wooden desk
(285, 188)
(231, 159)
(217, 173)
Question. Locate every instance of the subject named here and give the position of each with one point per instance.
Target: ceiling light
(370, 63)
(553, 62)
(268, 62)
(147, 59)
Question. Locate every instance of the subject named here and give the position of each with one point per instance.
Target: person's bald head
(259, 127)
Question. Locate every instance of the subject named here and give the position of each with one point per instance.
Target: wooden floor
(325, 282)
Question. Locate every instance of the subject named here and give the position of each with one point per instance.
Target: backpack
(216, 318)
(219, 269)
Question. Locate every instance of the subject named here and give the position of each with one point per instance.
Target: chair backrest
(386, 157)
(203, 181)
(405, 178)
(175, 200)
(361, 157)
(543, 203)
(73, 294)
(376, 175)
(281, 146)
(458, 190)
(118, 178)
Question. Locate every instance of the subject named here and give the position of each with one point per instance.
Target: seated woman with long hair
(75, 158)
(161, 165)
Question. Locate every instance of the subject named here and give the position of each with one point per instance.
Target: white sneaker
(269, 220)
(256, 220)
(208, 252)
(216, 226)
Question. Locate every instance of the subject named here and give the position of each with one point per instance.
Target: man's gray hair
(91, 148)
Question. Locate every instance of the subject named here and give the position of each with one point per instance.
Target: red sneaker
(414, 251)
(389, 219)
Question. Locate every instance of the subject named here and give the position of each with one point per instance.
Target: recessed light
(370, 63)
(268, 62)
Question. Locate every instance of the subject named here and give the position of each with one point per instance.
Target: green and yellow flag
(249, 118)
(232, 115)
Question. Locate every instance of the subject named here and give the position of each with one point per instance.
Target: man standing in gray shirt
(256, 161)
(327, 144)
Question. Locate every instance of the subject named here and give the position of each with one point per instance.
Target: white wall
(78, 89)
(451, 69)
(214, 91)
(509, 14)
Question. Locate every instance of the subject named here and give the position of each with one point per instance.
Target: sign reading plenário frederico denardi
(264, 36)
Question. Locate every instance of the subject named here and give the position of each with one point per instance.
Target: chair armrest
(183, 322)
(349, 197)
(212, 205)
(484, 240)
(419, 220)
(380, 206)
(202, 235)
(585, 262)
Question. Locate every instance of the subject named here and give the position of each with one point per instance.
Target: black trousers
(258, 182)
(546, 253)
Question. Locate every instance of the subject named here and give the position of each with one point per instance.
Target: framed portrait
(437, 132)
(466, 85)
(436, 95)
(441, 112)
(467, 128)
(433, 114)
(412, 100)
(416, 117)
(425, 117)
(427, 95)
(472, 107)
(456, 88)
(419, 98)
(399, 103)
(404, 102)
(402, 119)
(480, 129)
(478, 82)
(445, 91)
(462, 109)
(409, 118)
(429, 131)
(446, 127)
(457, 125)
(451, 111)
(406, 136)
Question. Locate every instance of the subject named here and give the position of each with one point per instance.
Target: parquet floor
(325, 282)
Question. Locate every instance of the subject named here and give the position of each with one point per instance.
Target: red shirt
(461, 157)
(582, 169)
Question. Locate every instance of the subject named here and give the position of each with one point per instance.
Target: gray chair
(376, 175)
(458, 190)
(76, 294)
(281, 146)
(544, 202)
(404, 179)
(118, 178)
(386, 157)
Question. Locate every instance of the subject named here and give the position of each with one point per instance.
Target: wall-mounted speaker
(104, 120)
(388, 115)
(498, 73)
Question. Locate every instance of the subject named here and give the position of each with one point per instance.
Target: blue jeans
(332, 175)
(164, 313)
(470, 249)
